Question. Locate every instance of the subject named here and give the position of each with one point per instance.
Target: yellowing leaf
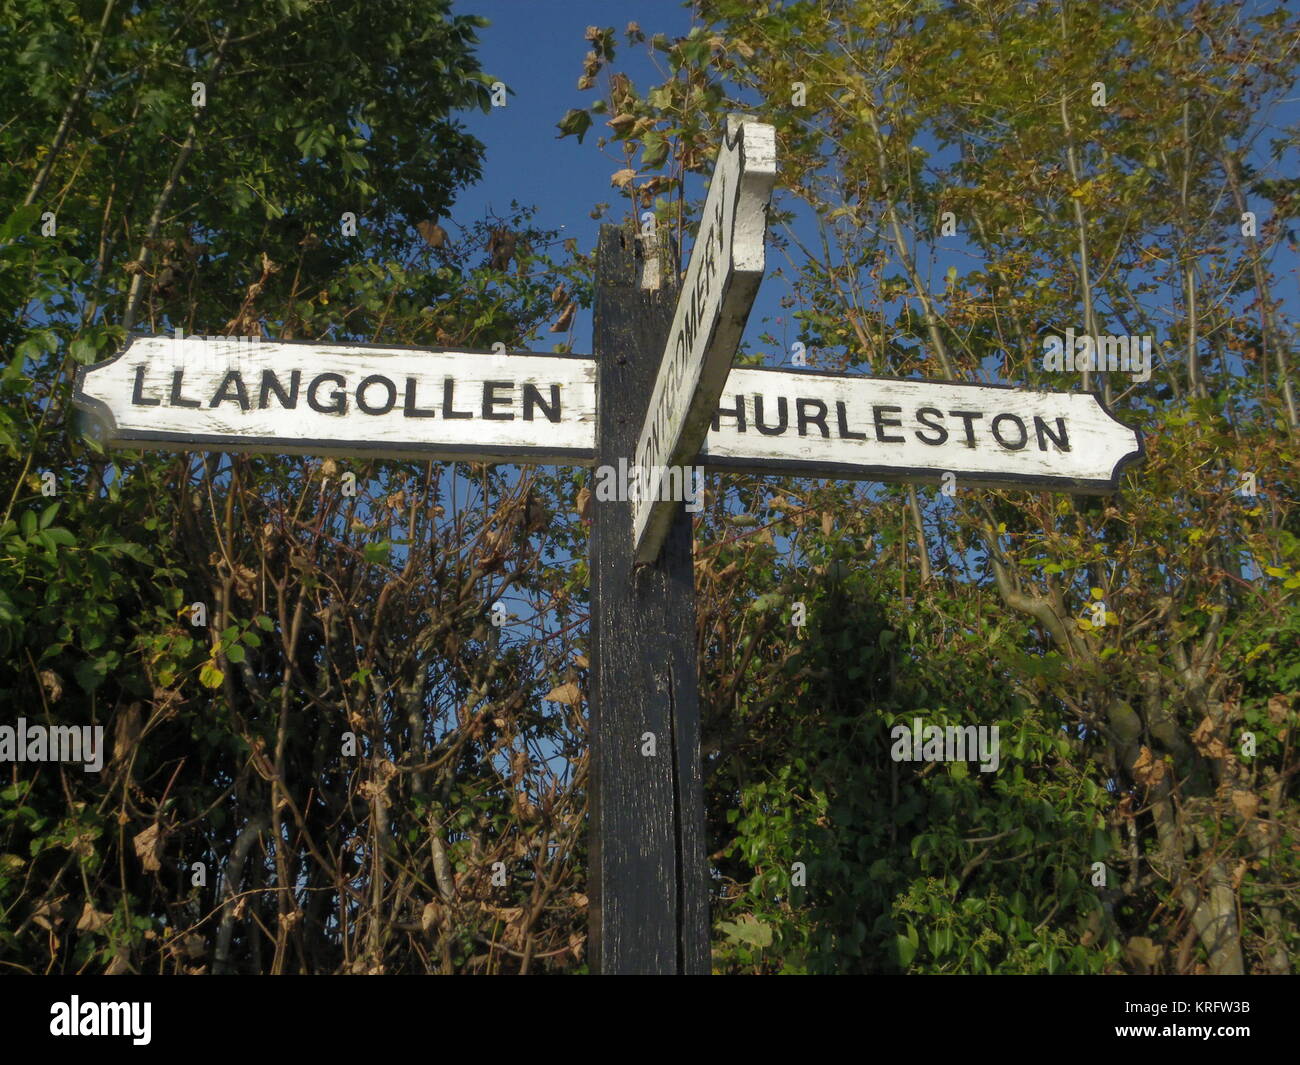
(622, 178)
(1097, 593)
(748, 930)
(568, 694)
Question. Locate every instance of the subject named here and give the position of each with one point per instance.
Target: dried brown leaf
(52, 684)
(1246, 804)
(1148, 770)
(149, 847)
(434, 235)
(566, 319)
(1207, 742)
(568, 694)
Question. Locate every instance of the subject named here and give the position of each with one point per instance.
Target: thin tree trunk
(234, 877)
(136, 292)
(70, 112)
(1272, 341)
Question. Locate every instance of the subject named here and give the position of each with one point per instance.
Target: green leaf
(906, 950)
(19, 221)
(83, 350)
(654, 150)
(575, 123)
(748, 930)
(90, 674)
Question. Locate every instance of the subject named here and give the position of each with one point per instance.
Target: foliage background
(330, 614)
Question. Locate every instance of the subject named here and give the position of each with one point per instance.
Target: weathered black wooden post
(648, 878)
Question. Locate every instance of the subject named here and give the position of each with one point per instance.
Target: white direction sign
(365, 401)
(890, 429)
(712, 307)
(224, 394)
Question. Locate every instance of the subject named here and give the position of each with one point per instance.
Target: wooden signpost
(297, 397)
(660, 393)
(717, 292)
(352, 400)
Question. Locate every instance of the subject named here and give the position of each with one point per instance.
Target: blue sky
(537, 46)
(537, 49)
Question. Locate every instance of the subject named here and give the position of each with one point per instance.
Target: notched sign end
(1134, 457)
(93, 417)
(757, 177)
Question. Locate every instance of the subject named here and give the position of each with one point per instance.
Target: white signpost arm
(717, 293)
(357, 400)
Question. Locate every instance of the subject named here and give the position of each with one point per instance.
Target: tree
(321, 753)
(1085, 167)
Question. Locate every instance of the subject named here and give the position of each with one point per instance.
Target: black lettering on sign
(737, 412)
(805, 419)
(842, 417)
(882, 423)
(782, 413)
(1062, 442)
(921, 416)
(138, 398)
(409, 409)
(1024, 433)
(231, 388)
(533, 398)
(449, 401)
(491, 400)
(339, 397)
(178, 377)
(968, 417)
(271, 383)
(376, 379)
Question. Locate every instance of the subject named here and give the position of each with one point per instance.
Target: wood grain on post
(648, 877)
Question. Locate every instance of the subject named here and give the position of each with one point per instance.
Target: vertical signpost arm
(648, 890)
